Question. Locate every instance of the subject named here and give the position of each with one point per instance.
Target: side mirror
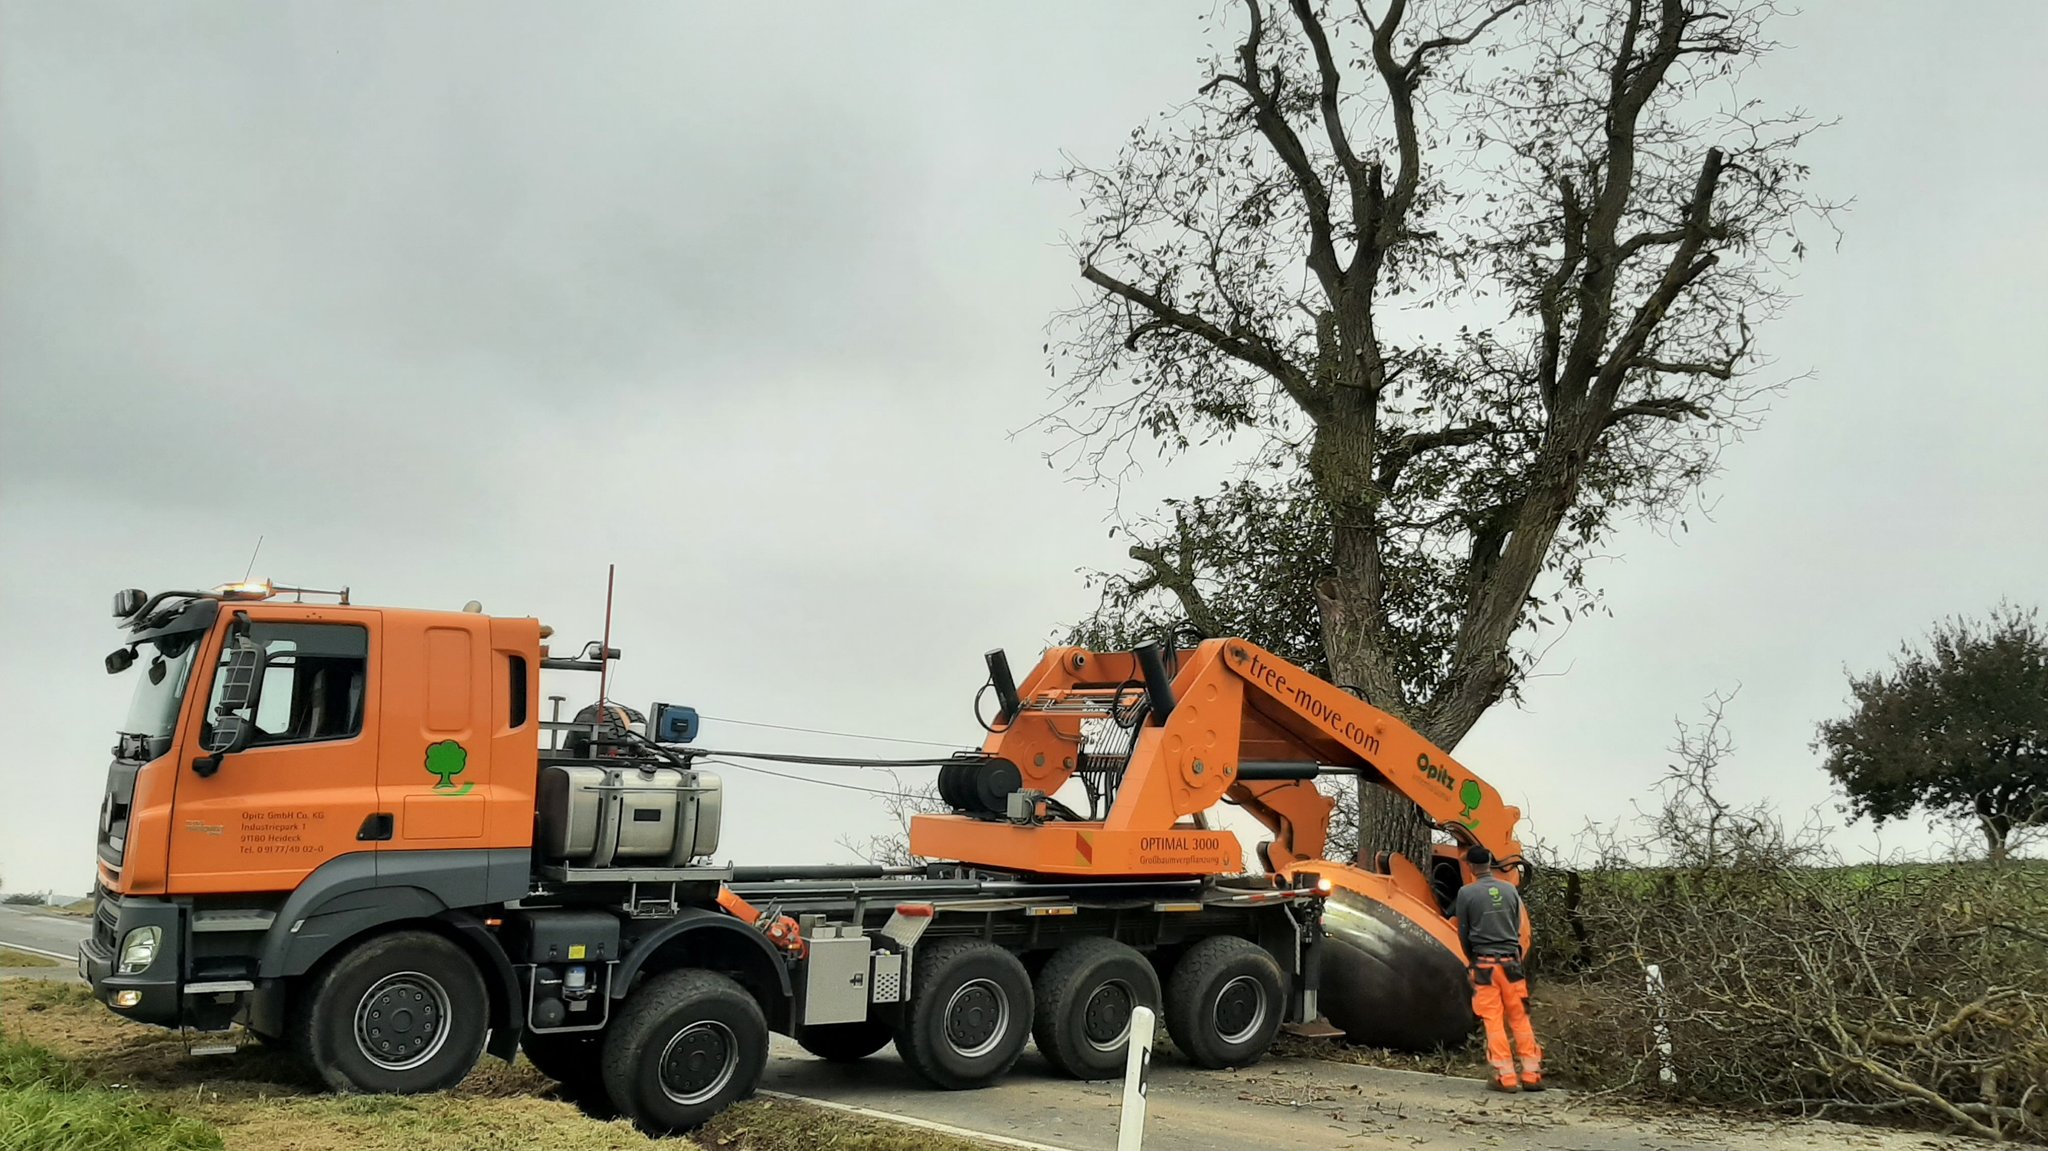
(128, 602)
(242, 687)
(120, 659)
(234, 713)
(228, 733)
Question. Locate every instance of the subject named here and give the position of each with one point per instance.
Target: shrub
(1792, 981)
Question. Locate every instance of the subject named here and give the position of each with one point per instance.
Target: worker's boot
(1532, 1081)
(1505, 1085)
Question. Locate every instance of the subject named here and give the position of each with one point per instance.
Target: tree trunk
(1995, 839)
(1389, 821)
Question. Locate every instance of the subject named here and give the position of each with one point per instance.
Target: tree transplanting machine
(346, 828)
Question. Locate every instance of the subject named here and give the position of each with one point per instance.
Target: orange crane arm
(1289, 711)
(1226, 719)
(1296, 811)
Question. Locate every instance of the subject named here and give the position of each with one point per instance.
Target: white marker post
(1653, 982)
(1130, 1128)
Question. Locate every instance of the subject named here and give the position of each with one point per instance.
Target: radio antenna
(250, 570)
(604, 650)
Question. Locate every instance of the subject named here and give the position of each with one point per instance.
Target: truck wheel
(845, 1042)
(1224, 1002)
(681, 1048)
(970, 1013)
(1086, 994)
(397, 1014)
(574, 1060)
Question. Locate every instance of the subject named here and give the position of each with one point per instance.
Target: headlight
(138, 950)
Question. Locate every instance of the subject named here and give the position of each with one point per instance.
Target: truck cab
(366, 749)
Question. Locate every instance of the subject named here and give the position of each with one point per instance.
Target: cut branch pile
(1909, 992)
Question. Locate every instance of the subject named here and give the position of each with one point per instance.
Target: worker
(1489, 914)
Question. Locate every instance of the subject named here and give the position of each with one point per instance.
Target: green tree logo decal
(447, 759)
(1470, 796)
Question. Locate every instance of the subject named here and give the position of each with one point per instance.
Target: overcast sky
(464, 301)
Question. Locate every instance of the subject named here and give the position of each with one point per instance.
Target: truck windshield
(153, 714)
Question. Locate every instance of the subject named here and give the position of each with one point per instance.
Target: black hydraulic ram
(1005, 685)
(1263, 769)
(1158, 686)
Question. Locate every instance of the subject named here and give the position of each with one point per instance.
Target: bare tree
(892, 848)
(1579, 181)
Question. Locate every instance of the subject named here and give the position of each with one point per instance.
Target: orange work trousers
(1500, 998)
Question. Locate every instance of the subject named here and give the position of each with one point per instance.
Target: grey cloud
(468, 300)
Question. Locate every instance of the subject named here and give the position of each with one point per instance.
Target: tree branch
(1178, 579)
(1686, 265)
(1397, 454)
(1249, 348)
(1720, 371)
(1272, 123)
(1326, 70)
(1400, 82)
(1550, 305)
(1663, 408)
(1415, 58)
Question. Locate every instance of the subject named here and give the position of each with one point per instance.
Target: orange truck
(348, 830)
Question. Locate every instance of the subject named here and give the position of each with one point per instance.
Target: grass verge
(47, 1105)
(76, 1062)
(9, 957)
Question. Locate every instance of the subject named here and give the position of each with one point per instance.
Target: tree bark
(1389, 821)
(1995, 840)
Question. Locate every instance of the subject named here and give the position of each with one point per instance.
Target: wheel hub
(1240, 1009)
(976, 1017)
(698, 1062)
(1106, 1019)
(402, 1020)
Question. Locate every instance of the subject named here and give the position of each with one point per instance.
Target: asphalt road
(1280, 1105)
(56, 936)
(1290, 1105)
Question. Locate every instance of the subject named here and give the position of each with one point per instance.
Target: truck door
(434, 772)
(305, 786)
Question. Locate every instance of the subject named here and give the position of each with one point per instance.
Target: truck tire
(573, 1059)
(1086, 994)
(845, 1042)
(969, 1014)
(681, 1048)
(1224, 1002)
(397, 1014)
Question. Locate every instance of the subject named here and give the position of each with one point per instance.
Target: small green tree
(1959, 730)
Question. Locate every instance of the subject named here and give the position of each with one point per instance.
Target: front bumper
(154, 994)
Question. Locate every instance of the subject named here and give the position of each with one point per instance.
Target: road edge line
(913, 1121)
(71, 958)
